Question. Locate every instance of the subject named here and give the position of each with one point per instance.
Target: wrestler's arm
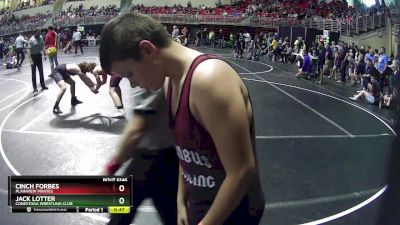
(224, 114)
(127, 148)
(73, 68)
(101, 78)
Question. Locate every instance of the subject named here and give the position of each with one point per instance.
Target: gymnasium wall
(376, 39)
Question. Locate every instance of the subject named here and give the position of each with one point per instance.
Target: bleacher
(283, 14)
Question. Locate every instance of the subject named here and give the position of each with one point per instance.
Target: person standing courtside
(19, 48)
(51, 47)
(1, 48)
(77, 38)
(36, 46)
(383, 61)
(148, 140)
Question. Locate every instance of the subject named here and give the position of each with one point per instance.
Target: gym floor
(322, 158)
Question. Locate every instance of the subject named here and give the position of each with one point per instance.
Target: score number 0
(121, 200)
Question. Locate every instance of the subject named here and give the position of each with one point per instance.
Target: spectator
(287, 56)
(51, 47)
(19, 48)
(1, 48)
(351, 70)
(370, 55)
(185, 31)
(211, 38)
(239, 45)
(382, 66)
(256, 49)
(183, 40)
(394, 81)
(305, 70)
(321, 63)
(343, 66)
(175, 32)
(300, 45)
(77, 38)
(329, 62)
(68, 47)
(203, 37)
(221, 38)
(247, 39)
(391, 99)
(198, 38)
(370, 71)
(371, 95)
(360, 66)
(337, 62)
(275, 46)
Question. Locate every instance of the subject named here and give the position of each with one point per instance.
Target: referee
(36, 46)
(147, 141)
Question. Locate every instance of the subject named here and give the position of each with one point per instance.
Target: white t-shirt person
(77, 36)
(175, 32)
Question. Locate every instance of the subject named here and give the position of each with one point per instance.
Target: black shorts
(115, 80)
(57, 76)
(19, 50)
(155, 176)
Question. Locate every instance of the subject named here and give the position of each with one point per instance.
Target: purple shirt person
(329, 53)
(306, 64)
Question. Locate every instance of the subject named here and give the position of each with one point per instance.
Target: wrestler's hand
(110, 168)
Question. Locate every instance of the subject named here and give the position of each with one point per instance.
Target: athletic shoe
(56, 110)
(75, 101)
(353, 98)
(44, 88)
(119, 114)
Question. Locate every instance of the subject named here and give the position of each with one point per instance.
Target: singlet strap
(185, 92)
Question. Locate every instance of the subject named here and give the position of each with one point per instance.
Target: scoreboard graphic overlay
(58, 194)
